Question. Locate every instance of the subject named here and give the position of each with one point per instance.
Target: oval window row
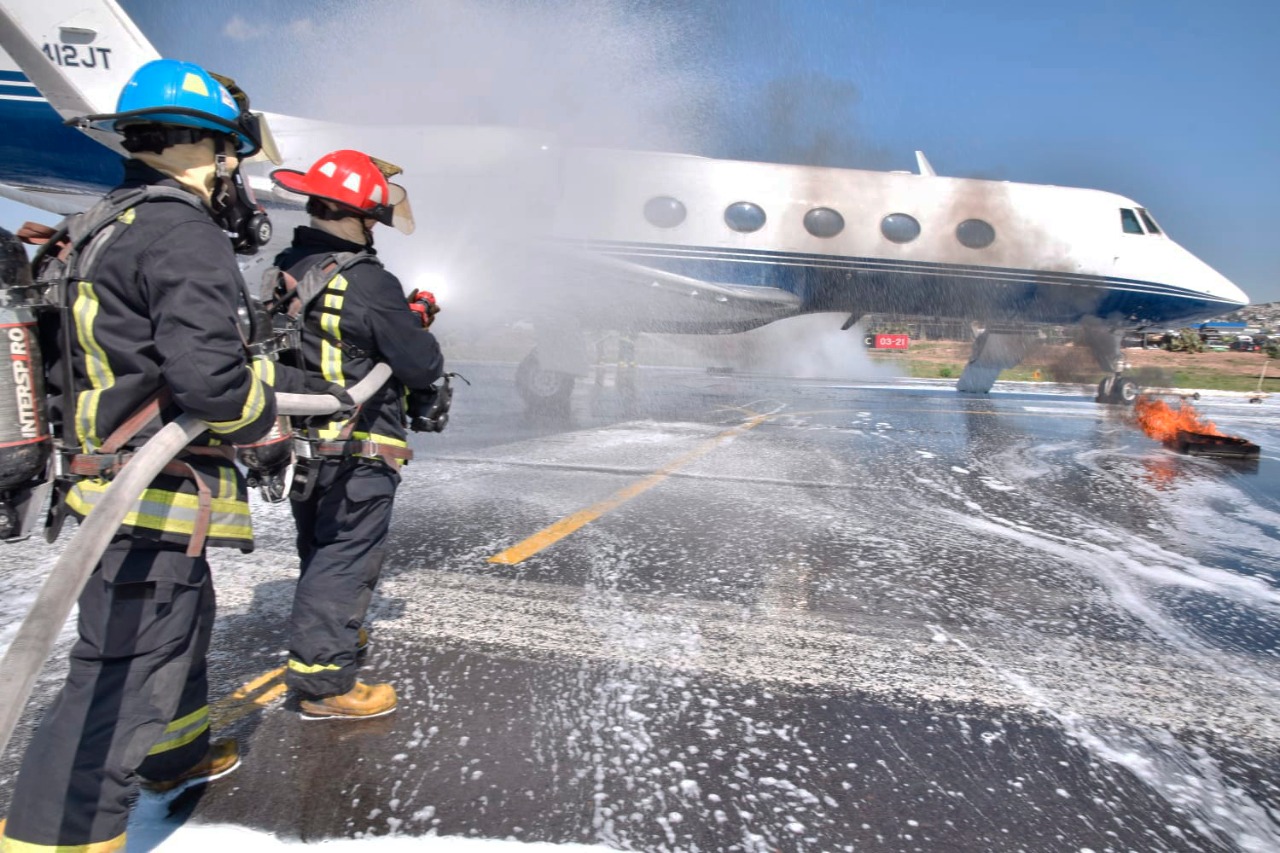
(745, 217)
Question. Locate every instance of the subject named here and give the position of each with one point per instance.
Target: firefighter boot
(361, 702)
(223, 757)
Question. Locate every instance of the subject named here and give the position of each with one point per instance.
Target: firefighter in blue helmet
(153, 324)
(356, 318)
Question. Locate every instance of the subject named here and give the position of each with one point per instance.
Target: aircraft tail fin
(77, 54)
(60, 59)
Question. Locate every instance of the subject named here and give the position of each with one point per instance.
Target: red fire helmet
(355, 181)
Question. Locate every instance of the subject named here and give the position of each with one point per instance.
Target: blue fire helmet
(182, 94)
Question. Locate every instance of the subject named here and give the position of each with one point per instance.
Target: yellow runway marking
(253, 685)
(243, 702)
(550, 535)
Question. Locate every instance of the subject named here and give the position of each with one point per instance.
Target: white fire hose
(39, 630)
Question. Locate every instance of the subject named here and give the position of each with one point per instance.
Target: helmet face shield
(401, 216)
(401, 212)
(256, 125)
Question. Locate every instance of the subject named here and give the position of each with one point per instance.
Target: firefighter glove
(423, 303)
(346, 405)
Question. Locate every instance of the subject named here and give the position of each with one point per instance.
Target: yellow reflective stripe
(171, 512)
(254, 405)
(96, 367)
(381, 439)
(227, 483)
(331, 324)
(333, 432)
(265, 369)
(183, 722)
(308, 669)
(128, 216)
(12, 845)
(181, 740)
(186, 729)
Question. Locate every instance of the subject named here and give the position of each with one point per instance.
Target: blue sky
(1170, 102)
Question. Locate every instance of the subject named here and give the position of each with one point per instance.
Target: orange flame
(1162, 422)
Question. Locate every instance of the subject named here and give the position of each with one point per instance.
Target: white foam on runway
(1136, 703)
(149, 832)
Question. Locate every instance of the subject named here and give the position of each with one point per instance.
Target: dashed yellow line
(567, 526)
(247, 699)
(550, 535)
(250, 686)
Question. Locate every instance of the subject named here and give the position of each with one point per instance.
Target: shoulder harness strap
(296, 291)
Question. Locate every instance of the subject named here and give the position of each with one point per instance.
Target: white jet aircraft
(642, 241)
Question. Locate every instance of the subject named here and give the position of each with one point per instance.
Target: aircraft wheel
(9, 521)
(542, 390)
(1117, 391)
(1125, 390)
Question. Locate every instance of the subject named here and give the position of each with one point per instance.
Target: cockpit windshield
(1129, 221)
(1152, 228)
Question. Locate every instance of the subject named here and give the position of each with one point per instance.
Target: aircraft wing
(61, 202)
(623, 293)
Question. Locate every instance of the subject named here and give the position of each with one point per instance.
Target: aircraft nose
(1224, 288)
(1213, 283)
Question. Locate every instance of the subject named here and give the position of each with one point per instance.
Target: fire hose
(39, 630)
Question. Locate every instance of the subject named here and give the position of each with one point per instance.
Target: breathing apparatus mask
(231, 199)
(236, 210)
(233, 203)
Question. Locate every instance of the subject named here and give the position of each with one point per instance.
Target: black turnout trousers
(342, 533)
(135, 700)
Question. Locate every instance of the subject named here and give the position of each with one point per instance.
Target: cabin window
(975, 233)
(1129, 221)
(1152, 228)
(900, 227)
(744, 216)
(823, 222)
(664, 211)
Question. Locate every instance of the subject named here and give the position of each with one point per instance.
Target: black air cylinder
(24, 430)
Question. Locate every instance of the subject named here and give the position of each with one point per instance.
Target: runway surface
(755, 613)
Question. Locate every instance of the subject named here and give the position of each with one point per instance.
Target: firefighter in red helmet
(342, 500)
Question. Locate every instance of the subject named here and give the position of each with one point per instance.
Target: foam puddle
(1184, 775)
(1198, 614)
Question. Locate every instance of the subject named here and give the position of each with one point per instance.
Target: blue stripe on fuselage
(40, 151)
(885, 285)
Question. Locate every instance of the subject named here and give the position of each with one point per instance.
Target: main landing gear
(1117, 390)
(543, 390)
